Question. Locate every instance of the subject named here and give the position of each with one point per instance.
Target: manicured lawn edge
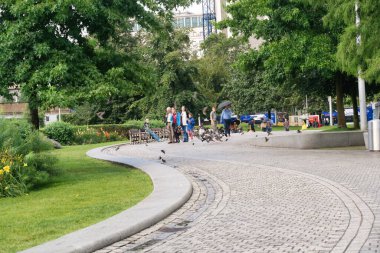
(87, 192)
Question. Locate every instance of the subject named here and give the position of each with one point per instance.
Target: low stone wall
(313, 140)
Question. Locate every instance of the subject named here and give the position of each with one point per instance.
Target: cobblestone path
(249, 199)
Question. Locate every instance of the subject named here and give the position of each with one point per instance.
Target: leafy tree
(79, 46)
(167, 53)
(351, 56)
(299, 51)
(215, 66)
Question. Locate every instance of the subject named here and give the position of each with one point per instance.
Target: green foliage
(55, 47)
(297, 57)
(24, 161)
(88, 192)
(350, 56)
(60, 131)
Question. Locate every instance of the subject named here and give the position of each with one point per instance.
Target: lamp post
(361, 82)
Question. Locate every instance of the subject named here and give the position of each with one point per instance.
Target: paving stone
(250, 199)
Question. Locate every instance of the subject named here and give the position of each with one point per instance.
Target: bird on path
(117, 148)
(159, 158)
(226, 139)
(163, 151)
(163, 160)
(256, 135)
(146, 144)
(266, 139)
(193, 143)
(298, 131)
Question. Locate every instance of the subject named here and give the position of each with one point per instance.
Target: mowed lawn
(87, 192)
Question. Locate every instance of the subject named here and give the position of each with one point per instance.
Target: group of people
(179, 122)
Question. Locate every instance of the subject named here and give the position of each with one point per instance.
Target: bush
(60, 131)
(24, 162)
(139, 124)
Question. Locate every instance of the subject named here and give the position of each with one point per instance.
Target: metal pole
(361, 82)
(307, 112)
(330, 107)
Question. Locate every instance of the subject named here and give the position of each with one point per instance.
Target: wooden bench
(137, 136)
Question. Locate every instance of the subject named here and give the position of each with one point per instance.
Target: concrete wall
(313, 140)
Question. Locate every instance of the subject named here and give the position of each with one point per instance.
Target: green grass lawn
(87, 192)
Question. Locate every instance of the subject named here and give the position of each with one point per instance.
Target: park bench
(137, 136)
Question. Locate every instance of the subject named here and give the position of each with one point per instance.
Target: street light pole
(361, 82)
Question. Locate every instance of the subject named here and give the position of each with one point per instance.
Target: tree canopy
(72, 45)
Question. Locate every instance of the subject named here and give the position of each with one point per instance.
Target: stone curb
(171, 190)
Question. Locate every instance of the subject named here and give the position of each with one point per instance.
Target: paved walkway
(249, 199)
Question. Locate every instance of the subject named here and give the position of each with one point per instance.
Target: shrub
(60, 131)
(24, 161)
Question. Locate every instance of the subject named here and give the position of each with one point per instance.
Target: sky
(194, 8)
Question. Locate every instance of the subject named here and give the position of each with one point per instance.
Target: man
(226, 119)
(214, 122)
(169, 123)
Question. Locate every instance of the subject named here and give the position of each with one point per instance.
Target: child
(190, 126)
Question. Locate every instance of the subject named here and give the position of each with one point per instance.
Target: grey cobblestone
(251, 199)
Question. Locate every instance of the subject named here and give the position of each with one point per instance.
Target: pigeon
(117, 148)
(146, 144)
(256, 135)
(159, 158)
(100, 115)
(193, 143)
(163, 160)
(163, 151)
(298, 131)
(242, 133)
(266, 139)
(226, 139)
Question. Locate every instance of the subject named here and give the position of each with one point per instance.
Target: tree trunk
(339, 80)
(33, 109)
(355, 105)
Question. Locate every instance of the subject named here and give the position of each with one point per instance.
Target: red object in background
(313, 118)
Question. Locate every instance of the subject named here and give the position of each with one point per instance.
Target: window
(180, 22)
(46, 118)
(194, 22)
(187, 22)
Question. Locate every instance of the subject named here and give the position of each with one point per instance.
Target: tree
(351, 56)
(79, 46)
(215, 66)
(299, 51)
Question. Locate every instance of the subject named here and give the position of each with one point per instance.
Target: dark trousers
(227, 126)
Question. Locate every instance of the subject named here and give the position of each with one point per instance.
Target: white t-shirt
(169, 118)
(184, 118)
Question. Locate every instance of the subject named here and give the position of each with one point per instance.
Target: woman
(184, 124)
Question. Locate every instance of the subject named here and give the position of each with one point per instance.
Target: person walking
(225, 118)
(286, 125)
(251, 125)
(190, 126)
(169, 124)
(184, 124)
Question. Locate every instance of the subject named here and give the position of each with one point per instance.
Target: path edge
(171, 189)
